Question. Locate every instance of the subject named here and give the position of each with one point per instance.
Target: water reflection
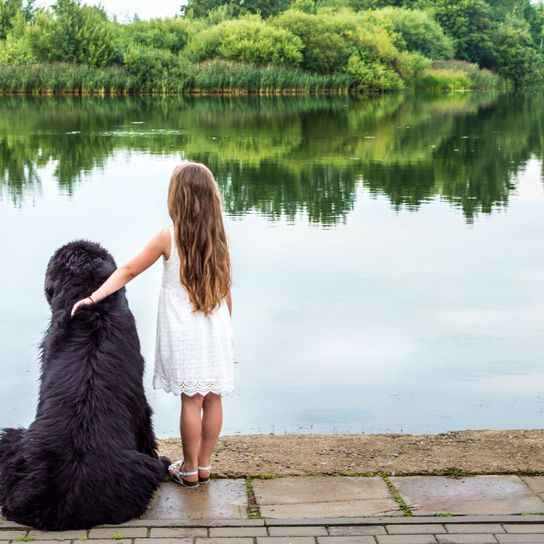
(280, 157)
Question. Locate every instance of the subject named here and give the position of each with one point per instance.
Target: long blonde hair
(194, 204)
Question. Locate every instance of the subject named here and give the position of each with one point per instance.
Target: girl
(193, 356)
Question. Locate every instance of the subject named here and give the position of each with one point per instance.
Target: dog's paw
(166, 463)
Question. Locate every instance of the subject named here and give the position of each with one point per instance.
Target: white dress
(193, 352)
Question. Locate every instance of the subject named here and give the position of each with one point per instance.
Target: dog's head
(75, 271)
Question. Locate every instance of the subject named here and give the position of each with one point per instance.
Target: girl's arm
(154, 249)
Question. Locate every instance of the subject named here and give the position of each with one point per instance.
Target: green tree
(417, 29)
(248, 39)
(324, 49)
(266, 8)
(172, 34)
(519, 60)
(470, 24)
(75, 33)
(9, 9)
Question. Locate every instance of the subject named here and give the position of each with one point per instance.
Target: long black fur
(89, 457)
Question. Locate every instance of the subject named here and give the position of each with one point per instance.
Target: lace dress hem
(193, 387)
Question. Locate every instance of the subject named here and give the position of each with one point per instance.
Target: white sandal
(204, 469)
(178, 474)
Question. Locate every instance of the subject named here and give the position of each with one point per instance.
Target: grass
(240, 78)
(434, 79)
(458, 75)
(455, 473)
(216, 76)
(253, 510)
(266, 476)
(25, 538)
(396, 496)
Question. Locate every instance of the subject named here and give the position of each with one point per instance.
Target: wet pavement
(328, 510)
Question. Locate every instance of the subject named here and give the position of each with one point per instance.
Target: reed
(225, 77)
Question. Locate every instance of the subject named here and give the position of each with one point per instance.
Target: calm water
(388, 253)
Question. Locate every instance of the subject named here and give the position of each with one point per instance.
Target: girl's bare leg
(191, 431)
(212, 420)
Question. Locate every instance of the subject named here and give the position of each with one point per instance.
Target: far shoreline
(453, 454)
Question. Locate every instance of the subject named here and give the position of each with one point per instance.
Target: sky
(125, 9)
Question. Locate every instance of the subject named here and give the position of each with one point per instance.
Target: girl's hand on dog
(82, 302)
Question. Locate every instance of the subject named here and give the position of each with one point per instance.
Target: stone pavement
(328, 510)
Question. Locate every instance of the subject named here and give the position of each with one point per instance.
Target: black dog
(90, 456)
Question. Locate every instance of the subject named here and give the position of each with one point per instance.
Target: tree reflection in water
(283, 156)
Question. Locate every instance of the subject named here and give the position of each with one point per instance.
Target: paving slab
(222, 541)
(536, 483)
(346, 540)
(520, 539)
(524, 527)
(472, 528)
(237, 531)
(61, 535)
(357, 530)
(327, 496)
(286, 540)
(117, 533)
(161, 541)
(430, 529)
(428, 495)
(10, 534)
(406, 539)
(219, 499)
(477, 538)
(177, 532)
(291, 530)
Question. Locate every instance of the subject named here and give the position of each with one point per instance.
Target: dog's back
(90, 456)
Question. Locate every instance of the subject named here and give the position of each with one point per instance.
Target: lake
(388, 252)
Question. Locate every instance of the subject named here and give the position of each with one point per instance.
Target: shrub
(149, 66)
(517, 58)
(417, 30)
(411, 65)
(249, 39)
(372, 76)
(172, 34)
(265, 8)
(324, 50)
(480, 79)
(80, 34)
(435, 79)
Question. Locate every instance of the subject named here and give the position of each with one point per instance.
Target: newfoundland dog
(90, 457)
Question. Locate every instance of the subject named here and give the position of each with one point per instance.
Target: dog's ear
(102, 268)
(49, 289)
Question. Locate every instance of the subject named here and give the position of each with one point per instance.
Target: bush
(172, 34)
(435, 79)
(79, 34)
(265, 8)
(411, 65)
(372, 77)
(470, 24)
(155, 69)
(517, 58)
(324, 49)
(417, 31)
(15, 49)
(249, 39)
(480, 79)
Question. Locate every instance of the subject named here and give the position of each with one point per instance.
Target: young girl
(193, 355)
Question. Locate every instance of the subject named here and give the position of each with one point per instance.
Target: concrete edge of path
(300, 522)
